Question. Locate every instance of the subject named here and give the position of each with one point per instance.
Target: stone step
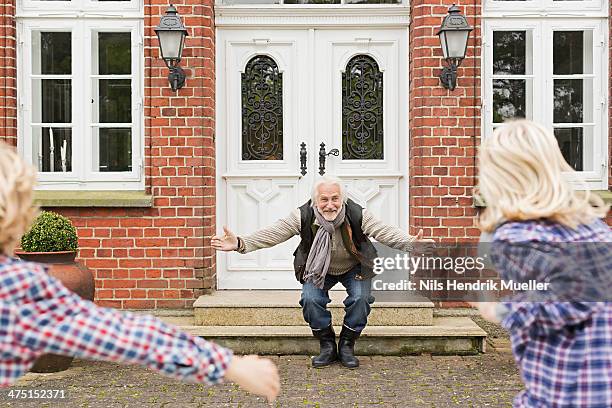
(447, 335)
(281, 308)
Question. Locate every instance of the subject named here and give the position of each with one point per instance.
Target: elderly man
(334, 248)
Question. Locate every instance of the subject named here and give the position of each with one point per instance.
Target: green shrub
(50, 232)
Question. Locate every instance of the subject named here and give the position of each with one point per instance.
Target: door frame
(309, 18)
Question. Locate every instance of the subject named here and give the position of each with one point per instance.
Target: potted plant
(53, 240)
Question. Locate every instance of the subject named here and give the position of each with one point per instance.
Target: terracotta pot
(75, 277)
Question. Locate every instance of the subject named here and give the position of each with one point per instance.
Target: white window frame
(82, 175)
(109, 9)
(545, 8)
(543, 84)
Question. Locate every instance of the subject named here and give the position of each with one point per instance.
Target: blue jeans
(356, 305)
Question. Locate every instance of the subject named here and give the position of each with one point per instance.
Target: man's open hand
(426, 245)
(227, 242)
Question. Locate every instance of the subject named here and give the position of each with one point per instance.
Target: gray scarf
(320, 251)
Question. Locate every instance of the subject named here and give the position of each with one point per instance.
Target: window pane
(362, 110)
(52, 149)
(509, 99)
(568, 103)
(114, 53)
(312, 1)
(251, 1)
(52, 53)
(373, 1)
(115, 100)
(115, 149)
(568, 52)
(571, 144)
(262, 110)
(509, 52)
(52, 101)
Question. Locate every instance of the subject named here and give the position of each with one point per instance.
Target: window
(80, 117)
(307, 2)
(548, 7)
(553, 71)
(45, 6)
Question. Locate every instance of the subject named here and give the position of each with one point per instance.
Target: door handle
(303, 158)
(323, 155)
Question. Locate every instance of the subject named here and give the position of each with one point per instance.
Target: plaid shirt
(39, 315)
(563, 349)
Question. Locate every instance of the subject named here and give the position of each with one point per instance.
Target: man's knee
(308, 301)
(360, 299)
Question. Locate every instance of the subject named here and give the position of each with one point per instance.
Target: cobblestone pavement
(486, 380)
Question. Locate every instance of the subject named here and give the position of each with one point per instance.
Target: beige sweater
(341, 260)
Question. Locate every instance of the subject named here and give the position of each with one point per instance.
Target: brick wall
(8, 73)
(156, 257)
(161, 257)
(444, 127)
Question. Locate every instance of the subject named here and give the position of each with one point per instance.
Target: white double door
(259, 166)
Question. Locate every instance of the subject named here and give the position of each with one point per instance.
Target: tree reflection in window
(262, 110)
(362, 110)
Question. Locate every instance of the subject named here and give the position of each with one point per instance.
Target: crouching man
(335, 248)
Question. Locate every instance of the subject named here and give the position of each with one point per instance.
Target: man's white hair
(324, 180)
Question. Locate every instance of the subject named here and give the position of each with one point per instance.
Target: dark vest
(355, 241)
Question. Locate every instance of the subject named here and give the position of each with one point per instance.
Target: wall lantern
(171, 34)
(453, 34)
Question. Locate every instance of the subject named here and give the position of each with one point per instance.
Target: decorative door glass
(262, 110)
(362, 110)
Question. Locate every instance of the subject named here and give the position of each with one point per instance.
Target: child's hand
(256, 375)
(487, 310)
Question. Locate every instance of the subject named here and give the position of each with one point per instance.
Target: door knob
(303, 158)
(323, 155)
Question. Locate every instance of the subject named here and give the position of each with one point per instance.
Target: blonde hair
(521, 178)
(16, 209)
(314, 195)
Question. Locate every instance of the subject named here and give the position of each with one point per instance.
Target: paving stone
(485, 380)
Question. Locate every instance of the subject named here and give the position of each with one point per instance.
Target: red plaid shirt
(39, 315)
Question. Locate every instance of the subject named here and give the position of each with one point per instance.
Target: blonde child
(561, 340)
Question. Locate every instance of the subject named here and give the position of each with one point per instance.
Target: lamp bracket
(448, 76)
(176, 77)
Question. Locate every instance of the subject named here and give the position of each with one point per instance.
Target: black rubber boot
(346, 345)
(327, 342)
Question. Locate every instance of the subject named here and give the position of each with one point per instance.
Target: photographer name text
(459, 285)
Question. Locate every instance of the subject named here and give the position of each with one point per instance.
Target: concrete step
(447, 335)
(281, 308)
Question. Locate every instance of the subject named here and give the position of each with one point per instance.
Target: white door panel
(256, 190)
(378, 184)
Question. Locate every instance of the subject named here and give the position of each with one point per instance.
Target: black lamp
(453, 34)
(171, 34)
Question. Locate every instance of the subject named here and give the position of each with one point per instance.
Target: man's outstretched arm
(388, 234)
(267, 237)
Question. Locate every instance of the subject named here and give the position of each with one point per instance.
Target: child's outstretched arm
(51, 319)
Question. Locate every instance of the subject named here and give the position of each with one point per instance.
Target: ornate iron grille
(362, 110)
(262, 110)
